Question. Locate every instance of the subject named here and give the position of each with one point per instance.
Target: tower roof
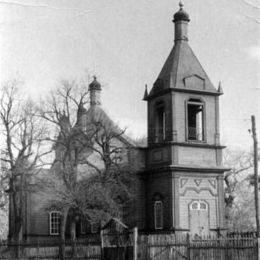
(182, 70)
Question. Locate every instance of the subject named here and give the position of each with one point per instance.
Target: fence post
(102, 243)
(19, 249)
(62, 249)
(258, 247)
(38, 248)
(188, 246)
(135, 237)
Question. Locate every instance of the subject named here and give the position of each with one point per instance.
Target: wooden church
(180, 171)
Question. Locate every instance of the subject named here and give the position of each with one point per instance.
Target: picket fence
(144, 247)
(50, 250)
(174, 247)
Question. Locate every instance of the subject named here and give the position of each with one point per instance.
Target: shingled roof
(182, 70)
(95, 114)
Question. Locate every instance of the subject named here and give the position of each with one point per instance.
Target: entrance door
(199, 218)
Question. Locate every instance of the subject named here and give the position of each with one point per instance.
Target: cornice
(185, 168)
(193, 91)
(187, 144)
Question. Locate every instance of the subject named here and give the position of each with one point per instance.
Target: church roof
(95, 114)
(181, 69)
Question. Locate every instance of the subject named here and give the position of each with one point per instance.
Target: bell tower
(184, 163)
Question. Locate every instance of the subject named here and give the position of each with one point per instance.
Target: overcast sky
(125, 43)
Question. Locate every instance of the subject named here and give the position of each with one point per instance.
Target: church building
(180, 170)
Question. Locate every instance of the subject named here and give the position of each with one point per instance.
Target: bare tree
(238, 193)
(21, 152)
(240, 164)
(255, 6)
(91, 179)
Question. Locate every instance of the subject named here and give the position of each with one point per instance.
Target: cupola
(181, 19)
(181, 15)
(95, 92)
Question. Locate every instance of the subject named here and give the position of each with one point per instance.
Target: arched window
(195, 120)
(160, 121)
(198, 205)
(158, 214)
(55, 220)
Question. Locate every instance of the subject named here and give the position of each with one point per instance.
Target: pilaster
(175, 201)
(217, 135)
(221, 200)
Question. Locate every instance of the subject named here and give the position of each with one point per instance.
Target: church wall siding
(160, 155)
(39, 217)
(161, 185)
(197, 156)
(140, 205)
(39, 203)
(191, 196)
(203, 188)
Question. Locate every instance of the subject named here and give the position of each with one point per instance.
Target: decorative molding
(213, 183)
(52, 208)
(198, 182)
(168, 90)
(197, 190)
(201, 144)
(196, 169)
(194, 82)
(183, 182)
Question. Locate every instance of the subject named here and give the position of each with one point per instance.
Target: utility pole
(256, 175)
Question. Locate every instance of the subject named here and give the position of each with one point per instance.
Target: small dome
(95, 85)
(181, 15)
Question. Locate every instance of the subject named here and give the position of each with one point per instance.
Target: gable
(194, 82)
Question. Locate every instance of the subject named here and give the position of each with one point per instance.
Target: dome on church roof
(181, 15)
(95, 85)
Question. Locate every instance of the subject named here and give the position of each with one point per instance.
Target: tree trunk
(17, 210)
(63, 223)
(73, 236)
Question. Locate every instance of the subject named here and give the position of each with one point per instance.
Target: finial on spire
(180, 4)
(95, 77)
(220, 89)
(145, 98)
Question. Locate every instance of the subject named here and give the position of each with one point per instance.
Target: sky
(125, 44)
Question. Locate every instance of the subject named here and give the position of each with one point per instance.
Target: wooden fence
(138, 247)
(174, 247)
(50, 250)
